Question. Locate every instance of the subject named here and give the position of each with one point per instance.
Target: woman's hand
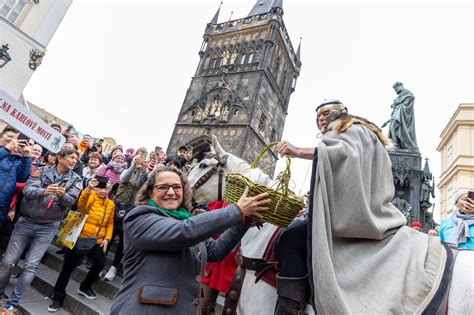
(104, 245)
(252, 206)
(466, 205)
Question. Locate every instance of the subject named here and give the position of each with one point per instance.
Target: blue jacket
(447, 227)
(13, 168)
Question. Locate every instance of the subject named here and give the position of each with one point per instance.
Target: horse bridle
(218, 168)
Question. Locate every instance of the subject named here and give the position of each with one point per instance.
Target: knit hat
(117, 153)
(130, 151)
(416, 224)
(115, 148)
(95, 155)
(458, 195)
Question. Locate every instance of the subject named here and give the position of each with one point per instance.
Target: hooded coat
(364, 259)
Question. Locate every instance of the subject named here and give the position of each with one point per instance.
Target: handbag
(85, 245)
(71, 229)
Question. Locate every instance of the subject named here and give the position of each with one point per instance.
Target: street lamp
(4, 55)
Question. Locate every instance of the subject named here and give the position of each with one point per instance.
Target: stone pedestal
(407, 177)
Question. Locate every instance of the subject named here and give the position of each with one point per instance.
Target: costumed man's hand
(286, 148)
(104, 245)
(253, 206)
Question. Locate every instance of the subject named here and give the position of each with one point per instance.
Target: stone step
(44, 282)
(55, 262)
(33, 302)
(108, 260)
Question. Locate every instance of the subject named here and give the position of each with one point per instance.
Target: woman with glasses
(166, 248)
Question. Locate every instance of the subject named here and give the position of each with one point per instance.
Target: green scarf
(179, 214)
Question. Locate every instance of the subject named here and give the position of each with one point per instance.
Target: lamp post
(4, 56)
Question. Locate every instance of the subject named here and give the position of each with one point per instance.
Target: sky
(121, 68)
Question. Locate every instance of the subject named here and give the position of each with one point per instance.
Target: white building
(457, 157)
(27, 27)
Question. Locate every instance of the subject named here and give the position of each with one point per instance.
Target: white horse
(256, 298)
(260, 298)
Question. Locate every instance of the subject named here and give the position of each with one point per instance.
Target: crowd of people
(38, 188)
(132, 197)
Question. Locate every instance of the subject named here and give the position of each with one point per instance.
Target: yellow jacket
(98, 208)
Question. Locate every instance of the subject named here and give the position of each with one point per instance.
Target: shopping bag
(72, 228)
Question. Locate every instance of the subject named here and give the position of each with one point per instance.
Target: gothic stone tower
(242, 86)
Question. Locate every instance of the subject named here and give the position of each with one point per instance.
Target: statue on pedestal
(402, 205)
(402, 122)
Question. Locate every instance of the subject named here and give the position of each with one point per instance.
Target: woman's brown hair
(144, 193)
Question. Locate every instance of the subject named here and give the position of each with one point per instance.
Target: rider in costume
(359, 249)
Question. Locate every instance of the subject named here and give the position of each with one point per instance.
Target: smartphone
(62, 184)
(22, 142)
(470, 195)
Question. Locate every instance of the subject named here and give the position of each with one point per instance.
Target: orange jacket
(98, 208)
(83, 146)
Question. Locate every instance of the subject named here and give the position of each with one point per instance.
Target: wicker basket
(284, 205)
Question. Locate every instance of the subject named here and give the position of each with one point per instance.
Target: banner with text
(25, 121)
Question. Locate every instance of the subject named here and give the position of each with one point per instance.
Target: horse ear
(216, 146)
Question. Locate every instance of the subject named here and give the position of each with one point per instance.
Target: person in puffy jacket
(100, 224)
(113, 170)
(15, 164)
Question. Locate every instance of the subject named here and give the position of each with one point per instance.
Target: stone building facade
(242, 86)
(457, 157)
(26, 28)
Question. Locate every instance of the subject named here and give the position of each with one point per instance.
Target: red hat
(416, 224)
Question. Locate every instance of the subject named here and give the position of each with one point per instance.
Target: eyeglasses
(166, 187)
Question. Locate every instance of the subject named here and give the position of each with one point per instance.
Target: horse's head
(208, 177)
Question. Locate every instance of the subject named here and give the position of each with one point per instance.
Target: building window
(11, 9)
(236, 112)
(449, 206)
(263, 120)
(273, 137)
(450, 156)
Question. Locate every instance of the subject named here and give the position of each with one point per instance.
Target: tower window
(263, 120)
(250, 58)
(236, 112)
(193, 113)
(273, 137)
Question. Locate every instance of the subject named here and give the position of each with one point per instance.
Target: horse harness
(219, 169)
(259, 265)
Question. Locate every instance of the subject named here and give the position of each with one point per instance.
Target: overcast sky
(121, 68)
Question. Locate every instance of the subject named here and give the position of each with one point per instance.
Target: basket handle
(285, 177)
